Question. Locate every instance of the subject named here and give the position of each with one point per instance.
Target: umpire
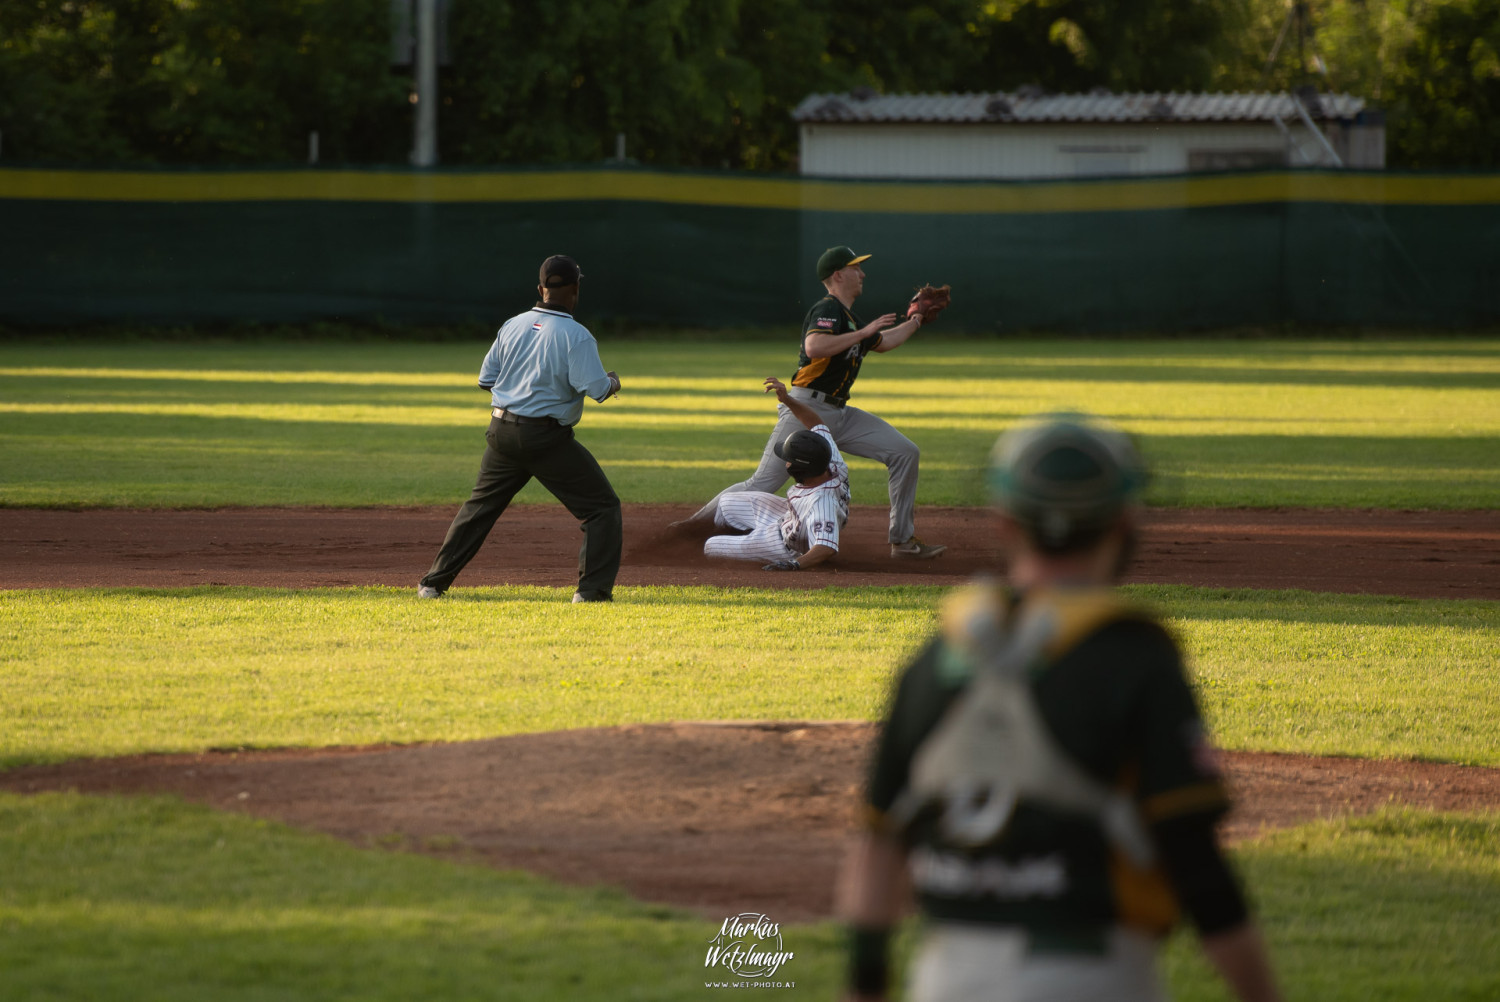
(1042, 780)
(541, 366)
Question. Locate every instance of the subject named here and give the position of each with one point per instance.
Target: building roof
(1031, 104)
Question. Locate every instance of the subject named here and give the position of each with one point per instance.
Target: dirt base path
(717, 817)
(721, 818)
(1416, 554)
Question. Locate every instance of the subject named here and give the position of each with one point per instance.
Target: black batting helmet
(806, 454)
(1065, 478)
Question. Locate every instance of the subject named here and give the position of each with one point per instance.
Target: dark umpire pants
(515, 454)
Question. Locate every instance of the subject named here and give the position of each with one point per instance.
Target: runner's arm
(816, 556)
(799, 410)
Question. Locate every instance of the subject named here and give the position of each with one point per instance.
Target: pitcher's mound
(721, 818)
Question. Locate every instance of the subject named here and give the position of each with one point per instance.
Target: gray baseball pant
(976, 963)
(857, 433)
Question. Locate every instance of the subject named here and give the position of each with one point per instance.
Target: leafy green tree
(700, 83)
(714, 84)
(232, 81)
(1349, 46)
(686, 82)
(70, 76)
(898, 46)
(787, 41)
(1445, 95)
(249, 79)
(1430, 64)
(1125, 45)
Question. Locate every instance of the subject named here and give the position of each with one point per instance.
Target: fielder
(802, 529)
(833, 346)
(1042, 780)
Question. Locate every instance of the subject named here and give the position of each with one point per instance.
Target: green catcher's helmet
(1065, 478)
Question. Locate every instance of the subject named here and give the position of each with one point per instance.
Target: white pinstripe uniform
(784, 528)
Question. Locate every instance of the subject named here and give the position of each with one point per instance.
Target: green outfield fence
(716, 250)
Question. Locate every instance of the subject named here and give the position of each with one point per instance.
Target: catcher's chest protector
(992, 749)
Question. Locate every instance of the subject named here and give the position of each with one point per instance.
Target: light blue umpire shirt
(541, 365)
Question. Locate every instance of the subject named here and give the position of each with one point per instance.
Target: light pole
(424, 145)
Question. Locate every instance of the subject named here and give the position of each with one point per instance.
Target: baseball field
(239, 759)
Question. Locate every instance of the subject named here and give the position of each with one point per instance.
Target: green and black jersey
(1113, 695)
(833, 376)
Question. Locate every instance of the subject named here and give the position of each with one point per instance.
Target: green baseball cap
(1065, 478)
(835, 258)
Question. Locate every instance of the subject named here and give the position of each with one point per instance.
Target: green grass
(123, 898)
(1377, 424)
(105, 898)
(1397, 905)
(94, 673)
(130, 898)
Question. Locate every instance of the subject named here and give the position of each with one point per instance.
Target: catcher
(802, 529)
(834, 345)
(1042, 780)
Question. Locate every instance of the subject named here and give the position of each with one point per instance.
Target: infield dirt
(1453, 554)
(713, 816)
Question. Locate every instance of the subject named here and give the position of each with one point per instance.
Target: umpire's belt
(806, 394)
(511, 417)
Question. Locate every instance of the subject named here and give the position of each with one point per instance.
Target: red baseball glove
(929, 302)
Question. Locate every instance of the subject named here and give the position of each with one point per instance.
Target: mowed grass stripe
(1394, 906)
(1354, 424)
(109, 672)
(124, 898)
(112, 898)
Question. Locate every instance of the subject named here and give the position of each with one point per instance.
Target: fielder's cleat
(427, 591)
(917, 549)
(579, 596)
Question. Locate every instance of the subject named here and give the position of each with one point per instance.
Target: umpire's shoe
(427, 591)
(917, 550)
(579, 596)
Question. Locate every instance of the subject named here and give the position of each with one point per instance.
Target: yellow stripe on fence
(750, 192)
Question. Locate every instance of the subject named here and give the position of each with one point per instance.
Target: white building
(1030, 134)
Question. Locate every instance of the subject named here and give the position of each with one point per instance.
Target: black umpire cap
(806, 454)
(559, 271)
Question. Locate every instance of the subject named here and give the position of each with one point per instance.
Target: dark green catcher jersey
(1113, 696)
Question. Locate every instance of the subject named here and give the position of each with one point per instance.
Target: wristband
(869, 965)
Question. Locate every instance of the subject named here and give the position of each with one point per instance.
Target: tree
(1445, 93)
(1349, 46)
(1430, 65)
(1125, 45)
(689, 84)
(233, 81)
(71, 75)
(250, 79)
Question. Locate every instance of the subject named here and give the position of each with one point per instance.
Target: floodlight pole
(424, 148)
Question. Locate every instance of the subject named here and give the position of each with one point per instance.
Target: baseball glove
(929, 302)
